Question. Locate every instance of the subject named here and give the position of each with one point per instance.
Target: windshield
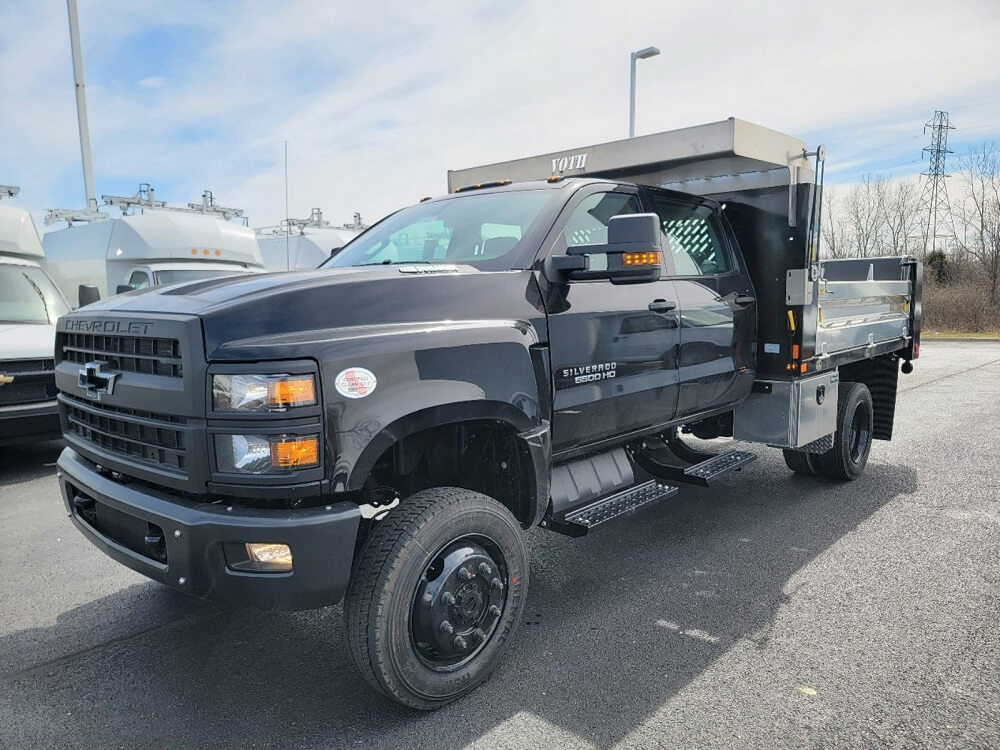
(176, 275)
(27, 295)
(483, 230)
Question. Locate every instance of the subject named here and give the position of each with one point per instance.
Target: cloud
(378, 101)
(152, 82)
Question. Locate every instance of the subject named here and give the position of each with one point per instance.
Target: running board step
(579, 522)
(700, 473)
(713, 467)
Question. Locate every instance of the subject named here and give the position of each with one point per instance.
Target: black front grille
(27, 381)
(152, 438)
(143, 354)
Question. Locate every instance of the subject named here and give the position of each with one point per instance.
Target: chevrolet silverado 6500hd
(528, 350)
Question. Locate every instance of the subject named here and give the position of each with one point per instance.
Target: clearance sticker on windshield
(356, 382)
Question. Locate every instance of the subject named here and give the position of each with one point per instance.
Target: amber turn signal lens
(297, 453)
(291, 392)
(641, 259)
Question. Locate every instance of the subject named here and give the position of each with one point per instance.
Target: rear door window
(691, 234)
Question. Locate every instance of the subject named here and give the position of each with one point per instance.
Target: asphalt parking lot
(769, 611)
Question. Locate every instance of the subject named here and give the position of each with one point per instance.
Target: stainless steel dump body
(810, 312)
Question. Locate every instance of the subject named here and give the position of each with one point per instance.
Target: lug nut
(497, 584)
(465, 574)
(459, 642)
(485, 569)
(494, 610)
(448, 598)
(478, 632)
(446, 627)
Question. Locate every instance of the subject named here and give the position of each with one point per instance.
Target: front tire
(436, 595)
(853, 440)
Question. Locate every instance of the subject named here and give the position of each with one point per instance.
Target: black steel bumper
(29, 422)
(191, 557)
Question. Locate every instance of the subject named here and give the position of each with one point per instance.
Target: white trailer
(157, 247)
(30, 303)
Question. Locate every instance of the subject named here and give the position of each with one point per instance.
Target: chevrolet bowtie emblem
(95, 381)
(6, 379)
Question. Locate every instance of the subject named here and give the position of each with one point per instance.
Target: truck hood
(303, 305)
(26, 341)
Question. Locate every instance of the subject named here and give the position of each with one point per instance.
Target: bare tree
(864, 217)
(979, 211)
(899, 201)
(836, 238)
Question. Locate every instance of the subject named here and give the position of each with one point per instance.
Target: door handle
(745, 299)
(662, 306)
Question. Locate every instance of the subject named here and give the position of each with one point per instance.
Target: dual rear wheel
(852, 441)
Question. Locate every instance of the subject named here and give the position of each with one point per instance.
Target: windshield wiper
(41, 296)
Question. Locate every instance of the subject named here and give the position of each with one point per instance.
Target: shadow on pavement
(22, 463)
(617, 623)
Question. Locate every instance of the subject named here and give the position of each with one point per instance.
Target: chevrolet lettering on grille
(95, 381)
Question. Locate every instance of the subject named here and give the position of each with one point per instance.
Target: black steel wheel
(853, 439)
(435, 596)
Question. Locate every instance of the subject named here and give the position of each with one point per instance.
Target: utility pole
(934, 206)
(81, 105)
(90, 212)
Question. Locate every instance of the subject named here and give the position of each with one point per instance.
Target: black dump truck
(540, 347)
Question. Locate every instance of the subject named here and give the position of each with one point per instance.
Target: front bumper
(190, 558)
(23, 423)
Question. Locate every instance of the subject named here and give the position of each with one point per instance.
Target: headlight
(266, 454)
(262, 393)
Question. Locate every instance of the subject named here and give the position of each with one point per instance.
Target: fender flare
(533, 437)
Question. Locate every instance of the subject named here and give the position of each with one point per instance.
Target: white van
(303, 250)
(30, 303)
(157, 247)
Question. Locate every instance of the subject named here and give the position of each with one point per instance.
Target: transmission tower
(934, 207)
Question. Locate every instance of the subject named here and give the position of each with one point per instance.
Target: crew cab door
(718, 311)
(612, 346)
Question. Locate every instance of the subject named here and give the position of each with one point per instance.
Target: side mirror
(122, 288)
(634, 252)
(87, 294)
(335, 250)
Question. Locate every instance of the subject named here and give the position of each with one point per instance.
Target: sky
(378, 100)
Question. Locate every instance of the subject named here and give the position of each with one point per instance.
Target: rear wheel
(435, 596)
(853, 440)
(801, 462)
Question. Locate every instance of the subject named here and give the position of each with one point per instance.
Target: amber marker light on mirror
(651, 258)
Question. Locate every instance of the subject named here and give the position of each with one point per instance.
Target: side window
(588, 224)
(692, 234)
(138, 280)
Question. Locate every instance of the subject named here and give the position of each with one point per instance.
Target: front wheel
(853, 440)
(435, 596)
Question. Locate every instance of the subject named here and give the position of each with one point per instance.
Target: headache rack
(813, 314)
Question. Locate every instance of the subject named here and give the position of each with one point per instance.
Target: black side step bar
(578, 522)
(693, 467)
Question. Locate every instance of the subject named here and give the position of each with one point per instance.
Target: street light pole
(641, 54)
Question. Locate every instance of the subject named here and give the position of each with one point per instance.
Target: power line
(937, 222)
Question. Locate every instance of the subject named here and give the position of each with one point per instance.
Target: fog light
(273, 554)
